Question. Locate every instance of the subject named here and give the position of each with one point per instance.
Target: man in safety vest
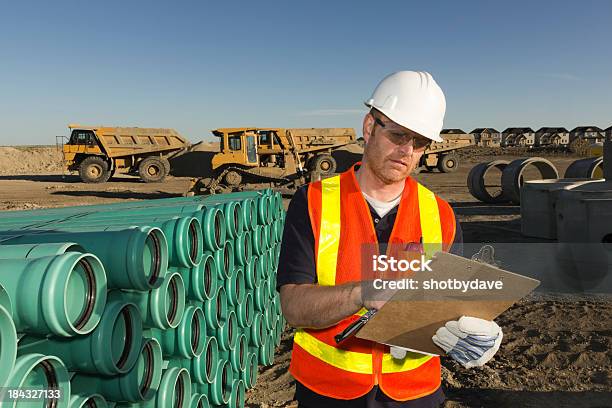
(319, 272)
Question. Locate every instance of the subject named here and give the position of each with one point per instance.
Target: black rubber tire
(94, 169)
(166, 164)
(430, 169)
(152, 170)
(448, 163)
(323, 163)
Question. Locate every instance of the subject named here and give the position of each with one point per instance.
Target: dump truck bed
(127, 141)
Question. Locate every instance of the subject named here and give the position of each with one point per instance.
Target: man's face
(391, 151)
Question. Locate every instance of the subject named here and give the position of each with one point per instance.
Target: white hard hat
(413, 100)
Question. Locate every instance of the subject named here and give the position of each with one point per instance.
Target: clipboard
(412, 317)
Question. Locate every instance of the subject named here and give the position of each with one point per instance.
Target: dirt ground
(556, 350)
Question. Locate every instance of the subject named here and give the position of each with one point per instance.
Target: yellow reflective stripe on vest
(410, 362)
(346, 360)
(329, 235)
(431, 227)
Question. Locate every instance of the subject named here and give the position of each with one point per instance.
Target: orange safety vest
(341, 223)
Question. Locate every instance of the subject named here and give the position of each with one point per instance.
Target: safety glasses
(398, 136)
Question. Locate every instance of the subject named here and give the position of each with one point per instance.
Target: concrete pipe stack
(151, 303)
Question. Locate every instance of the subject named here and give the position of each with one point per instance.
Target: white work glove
(470, 341)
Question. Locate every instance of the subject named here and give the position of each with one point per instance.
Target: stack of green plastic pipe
(146, 303)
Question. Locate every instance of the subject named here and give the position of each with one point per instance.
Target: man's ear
(368, 126)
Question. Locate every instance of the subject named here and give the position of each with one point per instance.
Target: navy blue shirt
(297, 265)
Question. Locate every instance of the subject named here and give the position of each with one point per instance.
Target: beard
(390, 168)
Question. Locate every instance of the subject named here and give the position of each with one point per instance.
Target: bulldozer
(98, 152)
(284, 158)
(287, 158)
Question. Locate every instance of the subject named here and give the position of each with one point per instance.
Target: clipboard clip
(354, 327)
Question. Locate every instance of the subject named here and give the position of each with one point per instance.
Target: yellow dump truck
(272, 155)
(442, 155)
(98, 152)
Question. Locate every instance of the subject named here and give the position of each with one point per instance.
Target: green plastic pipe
(38, 250)
(235, 286)
(236, 399)
(249, 375)
(260, 296)
(225, 260)
(245, 311)
(214, 229)
(215, 310)
(41, 372)
(62, 294)
(243, 248)
(183, 234)
(271, 284)
(221, 389)
(87, 400)
(203, 368)
(160, 308)
(257, 330)
(112, 348)
(234, 221)
(227, 334)
(238, 355)
(188, 339)
(200, 280)
(134, 258)
(199, 401)
(138, 384)
(279, 327)
(270, 317)
(251, 270)
(174, 390)
(257, 238)
(8, 344)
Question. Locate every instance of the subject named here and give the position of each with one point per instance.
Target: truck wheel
(448, 163)
(166, 164)
(430, 169)
(323, 163)
(152, 170)
(94, 170)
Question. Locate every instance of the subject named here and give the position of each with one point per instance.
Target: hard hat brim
(412, 124)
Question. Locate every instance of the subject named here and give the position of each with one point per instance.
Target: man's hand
(470, 341)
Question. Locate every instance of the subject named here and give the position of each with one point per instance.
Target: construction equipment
(441, 155)
(281, 157)
(98, 152)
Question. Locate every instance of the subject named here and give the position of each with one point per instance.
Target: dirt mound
(30, 160)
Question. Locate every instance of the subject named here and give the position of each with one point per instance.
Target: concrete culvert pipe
(41, 372)
(513, 175)
(591, 168)
(138, 384)
(72, 288)
(112, 348)
(477, 184)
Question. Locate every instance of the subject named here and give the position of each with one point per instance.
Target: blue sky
(198, 65)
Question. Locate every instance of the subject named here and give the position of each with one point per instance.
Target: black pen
(354, 327)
